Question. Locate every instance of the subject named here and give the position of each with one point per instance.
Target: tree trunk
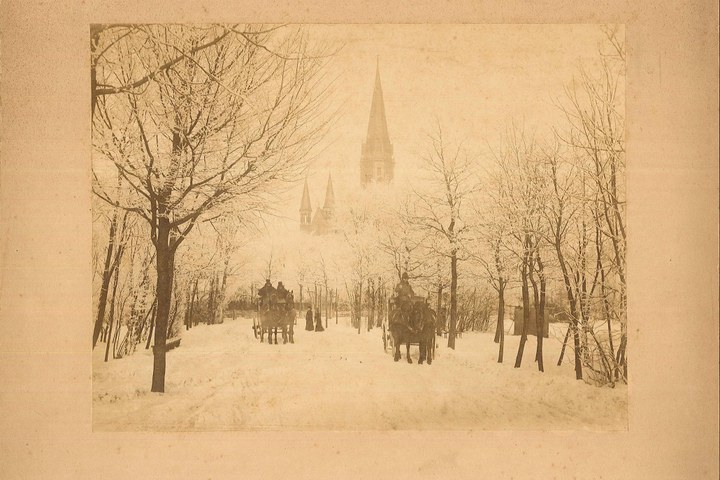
(540, 316)
(439, 305)
(371, 306)
(621, 358)
(188, 309)
(501, 319)
(526, 309)
(606, 305)
(134, 322)
(107, 275)
(193, 299)
(315, 299)
(573, 311)
(219, 313)
(165, 272)
(453, 299)
(116, 337)
(320, 305)
(380, 303)
(141, 326)
(210, 318)
(327, 306)
(175, 306)
(111, 320)
(499, 324)
(564, 345)
(536, 293)
(151, 330)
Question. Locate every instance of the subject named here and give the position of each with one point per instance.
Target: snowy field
(222, 378)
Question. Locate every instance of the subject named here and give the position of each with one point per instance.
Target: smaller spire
(305, 203)
(329, 195)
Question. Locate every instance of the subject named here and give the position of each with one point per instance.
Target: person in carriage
(409, 311)
(280, 299)
(411, 321)
(285, 296)
(403, 290)
(266, 292)
(404, 295)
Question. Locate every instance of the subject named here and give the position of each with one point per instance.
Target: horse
(415, 326)
(279, 313)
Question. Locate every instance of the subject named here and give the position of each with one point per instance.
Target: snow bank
(222, 378)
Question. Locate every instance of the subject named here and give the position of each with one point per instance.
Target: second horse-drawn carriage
(275, 311)
(410, 321)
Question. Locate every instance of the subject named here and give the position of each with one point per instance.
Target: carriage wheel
(255, 328)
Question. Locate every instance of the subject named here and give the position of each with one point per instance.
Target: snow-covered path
(222, 378)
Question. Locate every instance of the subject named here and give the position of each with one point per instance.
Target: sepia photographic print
(320, 240)
(359, 227)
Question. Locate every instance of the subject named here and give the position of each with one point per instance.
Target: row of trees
(547, 213)
(192, 124)
(555, 211)
(196, 127)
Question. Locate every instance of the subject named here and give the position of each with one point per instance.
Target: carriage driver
(403, 296)
(282, 291)
(265, 292)
(403, 290)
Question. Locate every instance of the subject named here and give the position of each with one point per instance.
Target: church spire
(377, 126)
(376, 162)
(329, 195)
(305, 208)
(305, 203)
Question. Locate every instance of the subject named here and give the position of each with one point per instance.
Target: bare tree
(205, 116)
(440, 207)
(594, 110)
(493, 256)
(361, 243)
(402, 243)
(519, 194)
(112, 260)
(562, 210)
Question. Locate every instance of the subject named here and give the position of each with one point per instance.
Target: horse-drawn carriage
(412, 322)
(275, 311)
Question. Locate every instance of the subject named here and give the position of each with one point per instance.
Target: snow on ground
(222, 378)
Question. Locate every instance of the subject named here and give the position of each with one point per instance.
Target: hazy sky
(473, 78)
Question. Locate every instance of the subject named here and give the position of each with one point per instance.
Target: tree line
(196, 127)
(540, 215)
(193, 124)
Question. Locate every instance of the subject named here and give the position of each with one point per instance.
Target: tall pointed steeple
(305, 208)
(376, 162)
(377, 126)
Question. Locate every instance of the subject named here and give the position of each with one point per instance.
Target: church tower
(376, 160)
(305, 209)
(329, 205)
(324, 220)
